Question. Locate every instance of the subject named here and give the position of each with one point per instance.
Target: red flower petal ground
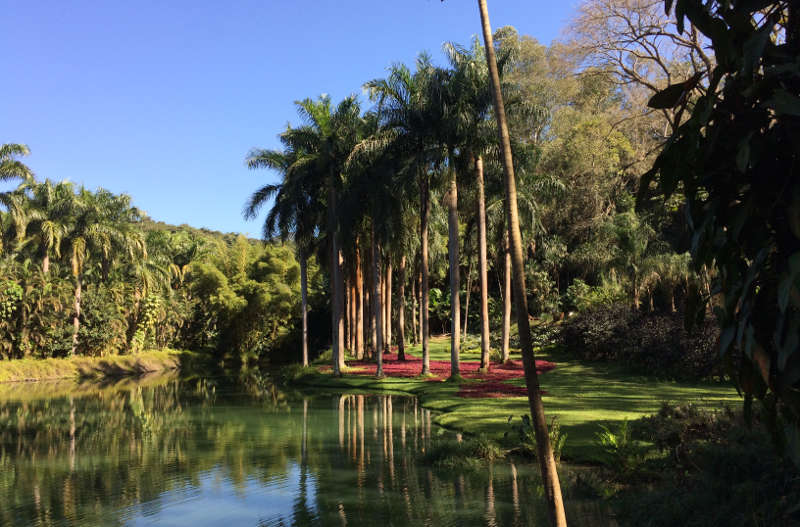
(492, 384)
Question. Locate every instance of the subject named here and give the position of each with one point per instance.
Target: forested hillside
(86, 273)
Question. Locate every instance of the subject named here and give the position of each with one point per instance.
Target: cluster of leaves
(522, 436)
(707, 468)
(653, 343)
(463, 454)
(735, 161)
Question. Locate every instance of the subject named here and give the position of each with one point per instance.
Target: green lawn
(583, 395)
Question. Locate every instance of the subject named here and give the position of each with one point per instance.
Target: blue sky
(163, 100)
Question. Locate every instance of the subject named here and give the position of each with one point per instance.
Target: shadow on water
(239, 451)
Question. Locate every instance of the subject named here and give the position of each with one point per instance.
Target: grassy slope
(89, 367)
(583, 395)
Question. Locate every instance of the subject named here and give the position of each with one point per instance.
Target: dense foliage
(705, 468)
(87, 273)
(735, 160)
(655, 344)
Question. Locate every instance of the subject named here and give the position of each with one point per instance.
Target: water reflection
(211, 452)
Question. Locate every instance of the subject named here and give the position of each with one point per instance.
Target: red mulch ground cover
(492, 383)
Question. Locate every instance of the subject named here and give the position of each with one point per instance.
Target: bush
(619, 448)
(581, 296)
(451, 454)
(655, 343)
(524, 434)
(719, 471)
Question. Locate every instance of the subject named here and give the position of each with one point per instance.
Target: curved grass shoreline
(32, 370)
(584, 396)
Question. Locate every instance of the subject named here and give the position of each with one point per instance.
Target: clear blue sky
(162, 100)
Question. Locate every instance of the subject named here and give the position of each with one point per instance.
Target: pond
(238, 452)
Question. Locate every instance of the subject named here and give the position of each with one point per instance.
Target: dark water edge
(162, 450)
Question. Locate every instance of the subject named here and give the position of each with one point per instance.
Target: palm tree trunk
(46, 263)
(466, 301)
(336, 279)
(359, 305)
(552, 487)
(401, 310)
(304, 302)
(483, 266)
(387, 341)
(419, 307)
(425, 210)
(506, 299)
(348, 307)
(340, 305)
(378, 306)
(76, 319)
(414, 302)
(373, 334)
(452, 249)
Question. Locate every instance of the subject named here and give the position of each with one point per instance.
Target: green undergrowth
(459, 454)
(23, 370)
(584, 395)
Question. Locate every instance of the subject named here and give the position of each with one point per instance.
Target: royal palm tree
(50, 208)
(295, 212)
(102, 228)
(547, 464)
(405, 108)
(322, 146)
(10, 166)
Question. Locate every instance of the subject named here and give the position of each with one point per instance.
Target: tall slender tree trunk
(76, 319)
(455, 300)
(337, 306)
(466, 300)
(387, 342)
(419, 307)
(46, 263)
(483, 267)
(401, 310)
(414, 302)
(373, 333)
(378, 306)
(348, 308)
(383, 304)
(425, 210)
(359, 305)
(304, 302)
(552, 486)
(506, 299)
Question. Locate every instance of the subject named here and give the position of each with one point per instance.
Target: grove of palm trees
(581, 257)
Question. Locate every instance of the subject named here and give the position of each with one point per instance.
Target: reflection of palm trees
(491, 515)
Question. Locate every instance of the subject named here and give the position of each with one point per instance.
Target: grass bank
(24, 370)
(584, 396)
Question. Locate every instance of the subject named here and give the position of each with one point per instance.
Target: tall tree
(326, 140)
(547, 463)
(295, 211)
(405, 108)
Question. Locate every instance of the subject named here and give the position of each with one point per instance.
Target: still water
(233, 452)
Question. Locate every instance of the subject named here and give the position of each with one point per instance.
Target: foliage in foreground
(735, 162)
(703, 468)
(464, 454)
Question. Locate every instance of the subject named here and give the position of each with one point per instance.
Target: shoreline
(582, 395)
(99, 368)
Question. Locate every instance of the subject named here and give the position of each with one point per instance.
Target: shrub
(451, 454)
(619, 448)
(720, 471)
(523, 432)
(654, 343)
